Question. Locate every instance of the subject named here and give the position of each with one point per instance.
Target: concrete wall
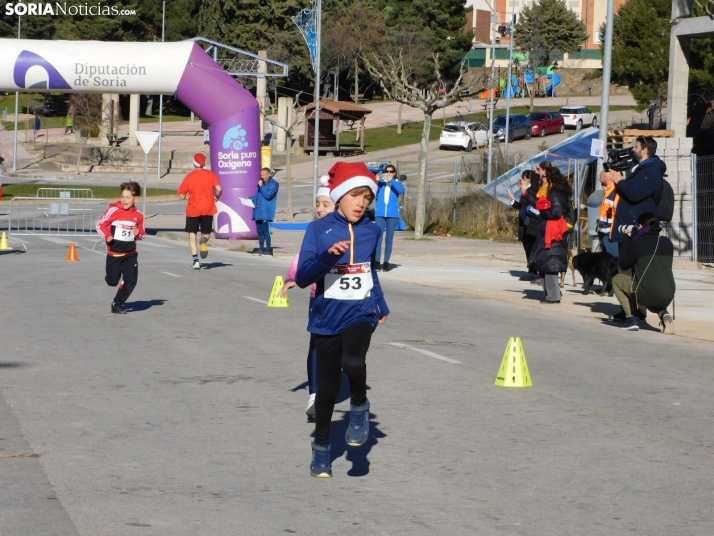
(677, 154)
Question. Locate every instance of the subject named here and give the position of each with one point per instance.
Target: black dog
(600, 265)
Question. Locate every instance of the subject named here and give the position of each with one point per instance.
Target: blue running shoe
(358, 430)
(321, 466)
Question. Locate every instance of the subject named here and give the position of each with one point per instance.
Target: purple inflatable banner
(182, 69)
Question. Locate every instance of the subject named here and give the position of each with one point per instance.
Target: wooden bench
(112, 138)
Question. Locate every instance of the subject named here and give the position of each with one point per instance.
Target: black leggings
(528, 243)
(126, 268)
(335, 353)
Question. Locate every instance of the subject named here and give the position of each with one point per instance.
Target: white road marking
(57, 240)
(151, 244)
(256, 300)
(426, 352)
(169, 273)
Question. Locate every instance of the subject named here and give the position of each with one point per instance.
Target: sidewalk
(481, 269)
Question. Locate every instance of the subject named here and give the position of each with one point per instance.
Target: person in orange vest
(606, 217)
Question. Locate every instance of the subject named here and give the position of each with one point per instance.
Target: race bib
(349, 282)
(124, 231)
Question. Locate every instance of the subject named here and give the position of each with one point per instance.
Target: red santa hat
(346, 176)
(324, 189)
(199, 160)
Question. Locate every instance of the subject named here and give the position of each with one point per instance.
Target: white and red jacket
(119, 224)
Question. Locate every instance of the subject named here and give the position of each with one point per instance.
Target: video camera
(619, 160)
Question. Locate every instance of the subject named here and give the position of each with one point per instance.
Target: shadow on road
(11, 364)
(14, 251)
(357, 455)
(211, 265)
(143, 305)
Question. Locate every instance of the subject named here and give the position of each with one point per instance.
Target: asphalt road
(186, 415)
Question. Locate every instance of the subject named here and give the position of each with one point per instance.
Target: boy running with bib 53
(338, 254)
(121, 226)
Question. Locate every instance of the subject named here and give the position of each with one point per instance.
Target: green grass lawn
(110, 193)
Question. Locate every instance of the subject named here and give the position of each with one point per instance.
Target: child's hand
(287, 286)
(383, 320)
(339, 248)
(110, 239)
(136, 231)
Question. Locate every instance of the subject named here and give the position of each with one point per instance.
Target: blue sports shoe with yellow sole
(358, 429)
(321, 466)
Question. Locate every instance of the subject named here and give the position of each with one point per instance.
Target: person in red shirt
(121, 226)
(203, 189)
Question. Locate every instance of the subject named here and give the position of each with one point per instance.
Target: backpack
(666, 202)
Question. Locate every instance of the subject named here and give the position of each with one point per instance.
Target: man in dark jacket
(651, 286)
(641, 192)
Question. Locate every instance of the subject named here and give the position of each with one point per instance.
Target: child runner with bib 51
(121, 226)
(338, 253)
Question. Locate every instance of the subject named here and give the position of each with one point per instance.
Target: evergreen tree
(640, 50)
(547, 29)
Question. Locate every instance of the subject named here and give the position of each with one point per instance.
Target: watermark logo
(234, 138)
(48, 8)
(32, 71)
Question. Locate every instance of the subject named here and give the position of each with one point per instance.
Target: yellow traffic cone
(514, 367)
(276, 300)
(4, 243)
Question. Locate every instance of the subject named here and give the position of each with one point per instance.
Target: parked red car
(546, 122)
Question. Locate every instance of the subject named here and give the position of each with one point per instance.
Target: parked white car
(578, 116)
(463, 135)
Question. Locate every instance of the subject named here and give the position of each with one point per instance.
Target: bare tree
(296, 117)
(393, 76)
(355, 32)
(88, 118)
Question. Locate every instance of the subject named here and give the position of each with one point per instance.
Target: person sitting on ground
(651, 287)
(527, 225)
(550, 253)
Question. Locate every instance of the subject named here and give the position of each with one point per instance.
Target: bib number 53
(347, 283)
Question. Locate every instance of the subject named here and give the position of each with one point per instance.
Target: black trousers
(346, 351)
(528, 243)
(124, 268)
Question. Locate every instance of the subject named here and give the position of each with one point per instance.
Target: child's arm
(314, 264)
(290, 278)
(104, 226)
(382, 308)
(139, 231)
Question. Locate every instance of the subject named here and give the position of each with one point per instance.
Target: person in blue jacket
(264, 201)
(641, 192)
(337, 254)
(387, 215)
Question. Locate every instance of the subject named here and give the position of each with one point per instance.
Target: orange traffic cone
(72, 255)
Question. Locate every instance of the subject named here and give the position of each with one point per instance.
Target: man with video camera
(640, 193)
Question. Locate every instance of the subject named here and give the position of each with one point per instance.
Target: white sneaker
(310, 411)
(196, 265)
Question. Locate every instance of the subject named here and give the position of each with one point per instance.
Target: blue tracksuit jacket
(265, 201)
(388, 198)
(332, 317)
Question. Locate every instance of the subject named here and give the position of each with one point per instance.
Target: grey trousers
(551, 287)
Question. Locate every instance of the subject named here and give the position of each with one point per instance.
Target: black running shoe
(631, 324)
(619, 317)
(118, 309)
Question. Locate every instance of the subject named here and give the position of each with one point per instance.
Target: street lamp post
(606, 72)
(17, 106)
(489, 177)
(161, 97)
(509, 88)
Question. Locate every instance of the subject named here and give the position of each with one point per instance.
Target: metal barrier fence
(704, 208)
(55, 216)
(64, 193)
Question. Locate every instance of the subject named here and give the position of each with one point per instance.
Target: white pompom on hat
(324, 189)
(346, 176)
(199, 160)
